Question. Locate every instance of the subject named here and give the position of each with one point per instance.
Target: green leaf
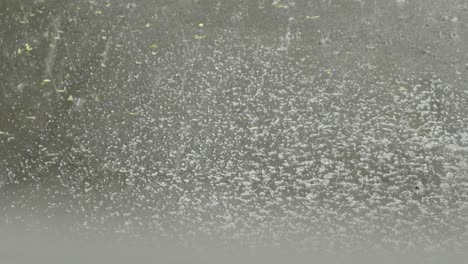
(199, 37)
(27, 47)
(279, 5)
(45, 81)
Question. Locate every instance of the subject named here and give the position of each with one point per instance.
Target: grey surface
(305, 126)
